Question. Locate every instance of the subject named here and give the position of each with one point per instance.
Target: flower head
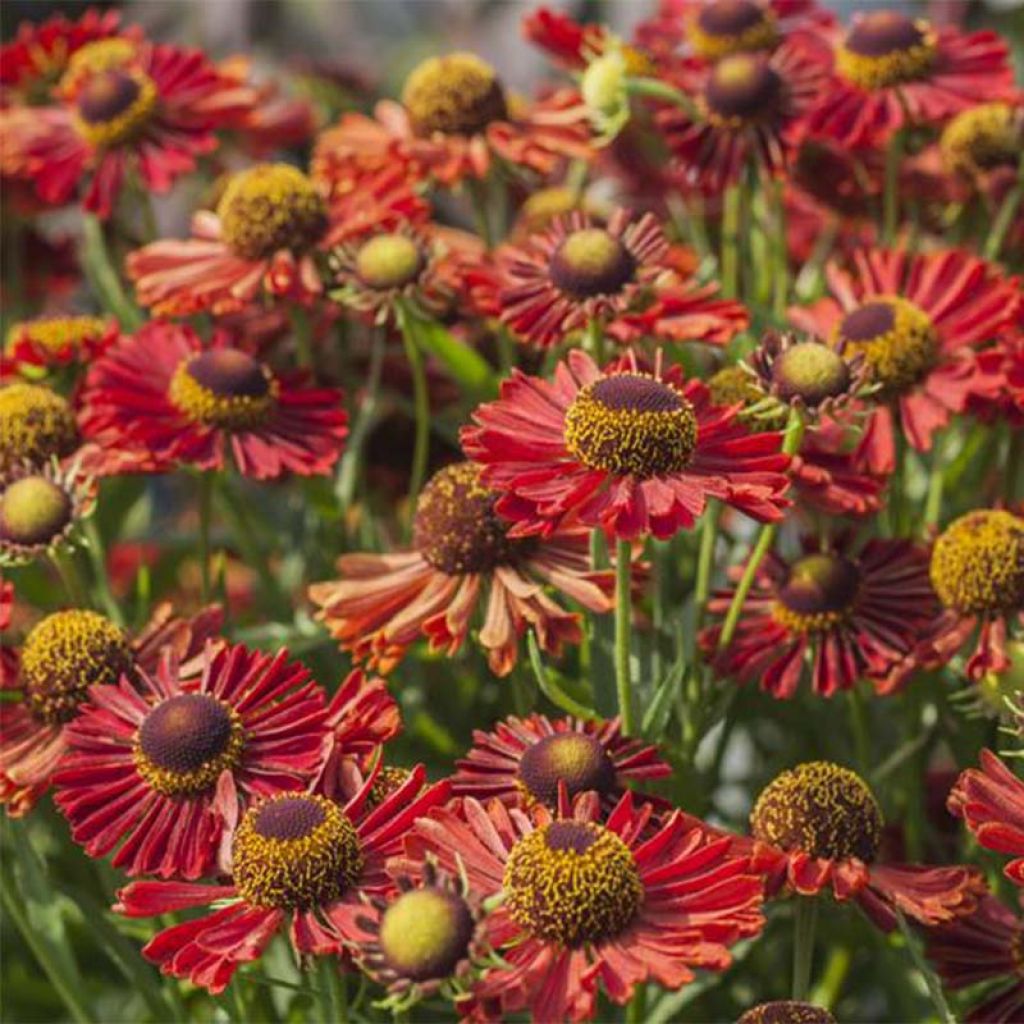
(786, 1011)
(36, 425)
(53, 341)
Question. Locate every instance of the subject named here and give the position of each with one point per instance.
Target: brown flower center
(723, 27)
(884, 48)
(744, 87)
(821, 809)
(591, 262)
(113, 106)
(224, 388)
(34, 510)
(578, 760)
(456, 528)
(458, 94)
(630, 423)
(787, 1011)
(572, 883)
(820, 590)
(425, 933)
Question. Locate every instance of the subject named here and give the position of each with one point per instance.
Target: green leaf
(465, 364)
(657, 713)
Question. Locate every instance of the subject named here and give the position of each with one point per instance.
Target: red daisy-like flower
(129, 108)
(986, 946)
(524, 761)
(892, 70)
(977, 570)
(917, 320)
(62, 656)
(818, 826)
(990, 799)
(563, 38)
(852, 614)
(163, 391)
(159, 767)
(384, 603)
(749, 108)
(631, 453)
(55, 341)
(453, 122)
(1005, 360)
(589, 900)
(270, 228)
(8, 652)
(301, 865)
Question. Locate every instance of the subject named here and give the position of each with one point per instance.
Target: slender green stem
(104, 277)
(1001, 225)
(332, 991)
(478, 198)
(421, 404)
(623, 627)
(656, 89)
(98, 558)
(780, 262)
(932, 983)
(206, 482)
(731, 241)
(551, 689)
(348, 474)
(705, 560)
(302, 329)
(891, 195)
(933, 500)
(859, 727)
(636, 1008)
(38, 946)
(805, 923)
(70, 576)
(593, 341)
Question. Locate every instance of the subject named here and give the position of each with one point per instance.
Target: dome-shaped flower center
(977, 564)
(541, 208)
(295, 852)
(578, 760)
(811, 372)
(34, 510)
(224, 388)
(982, 137)
(456, 528)
(591, 262)
(66, 653)
(99, 55)
(186, 741)
(271, 207)
(458, 94)
(898, 340)
(425, 933)
(821, 809)
(743, 87)
(56, 333)
(723, 27)
(787, 1011)
(572, 882)
(35, 424)
(389, 261)
(819, 591)
(389, 778)
(630, 423)
(113, 106)
(885, 48)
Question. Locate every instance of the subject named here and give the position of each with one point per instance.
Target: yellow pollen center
(724, 27)
(99, 55)
(34, 510)
(572, 883)
(224, 388)
(425, 933)
(35, 424)
(54, 334)
(295, 852)
(631, 424)
(114, 106)
(885, 48)
(458, 94)
(271, 207)
(982, 137)
(898, 340)
(389, 261)
(573, 758)
(821, 809)
(66, 653)
(812, 372)
(977, 564)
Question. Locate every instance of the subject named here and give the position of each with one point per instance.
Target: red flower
(621, 276)
(990, 799)
(917, 319)
(892, 70)
(625, 451)
(54, 341)
(856, 614)
(384, 603)
(62, 656)
(1005, 360)
(564, 39)
(750, 108)
(453, 123)
(817, 826)
(130, 107)
(985, 946)
(301, 864)
(590, 901)
(163, 392)
(525, 760)
(238, 256)
(159, 767)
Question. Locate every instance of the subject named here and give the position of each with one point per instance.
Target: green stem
(636, 1008)
(98, 558)
(206, 482)
(332, 991)
(936, 475)
(104, 277)
(932, 983)
(623, 626)
(731, 241)
(478, 198)
(654, 88)
(859, 727)
(780, 270)
(302, 329)
(38, 946)
(74, 586)
(705, 561)
(804, 924)
(421, 403)
(593, 341)
(551, 689)
(1001, 225)
(891, 196)
(348, 474)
